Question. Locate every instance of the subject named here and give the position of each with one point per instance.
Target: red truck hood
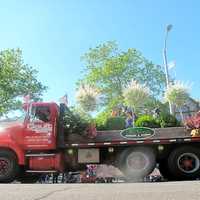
(7, 127)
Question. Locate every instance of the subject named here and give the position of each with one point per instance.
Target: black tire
(184, 163)
(9, 167)
(146, 162)
(164, 170)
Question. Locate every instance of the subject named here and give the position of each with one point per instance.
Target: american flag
(64, 100)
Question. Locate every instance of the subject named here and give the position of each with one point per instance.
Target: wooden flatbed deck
(113, 138)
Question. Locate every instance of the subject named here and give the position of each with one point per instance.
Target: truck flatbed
(111, 138)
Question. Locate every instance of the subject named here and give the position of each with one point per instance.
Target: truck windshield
(41, 113)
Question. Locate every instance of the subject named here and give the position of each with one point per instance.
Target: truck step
(41, 171)
(40, 154)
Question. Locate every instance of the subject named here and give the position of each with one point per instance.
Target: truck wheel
(184, 163)
(8, 166)
(136, 163)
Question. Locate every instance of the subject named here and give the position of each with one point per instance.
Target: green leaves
(74, 123)
(16, 80)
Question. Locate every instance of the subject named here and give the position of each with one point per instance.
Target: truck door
(39, 128)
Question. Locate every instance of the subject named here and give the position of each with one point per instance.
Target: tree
(111, 69)
(16, 80)
(178, 95)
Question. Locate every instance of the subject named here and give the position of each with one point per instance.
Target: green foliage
(150, 104)
(147, 121)
(81, 113)
(74, 122)
(167, 120)
(104, 121)
(16, 80)
(110, 70)
(101, 119)
(115, 123)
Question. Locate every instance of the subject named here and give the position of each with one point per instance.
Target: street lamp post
(168, 28)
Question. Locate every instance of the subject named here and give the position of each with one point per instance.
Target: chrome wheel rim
(4, 166)
(137, 161)
(188, 163)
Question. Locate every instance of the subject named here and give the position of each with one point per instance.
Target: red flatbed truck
(37, 145)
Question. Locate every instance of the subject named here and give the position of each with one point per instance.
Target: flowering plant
(136, 94)
(87, 97)
(193, 122)
(177, 93)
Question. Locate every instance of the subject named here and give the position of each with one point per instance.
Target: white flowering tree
(135, 95)
(177, 94)
(87, 97)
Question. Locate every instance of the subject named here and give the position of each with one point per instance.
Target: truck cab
(35, 131)
(25, 142)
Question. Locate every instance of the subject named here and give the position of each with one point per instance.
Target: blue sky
(54, 34)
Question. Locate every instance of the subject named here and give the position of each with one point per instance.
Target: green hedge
(147, 121)
(101, 119)
(115, 123)
(167, 120)
(105, 122)
(111, 123)
(164, 120)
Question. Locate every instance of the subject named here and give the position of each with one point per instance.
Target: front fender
(17, 150)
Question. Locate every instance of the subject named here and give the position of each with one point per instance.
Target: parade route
(129, 191)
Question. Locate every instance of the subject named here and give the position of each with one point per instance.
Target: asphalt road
(122, 191)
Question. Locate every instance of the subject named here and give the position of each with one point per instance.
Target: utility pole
(168, 28)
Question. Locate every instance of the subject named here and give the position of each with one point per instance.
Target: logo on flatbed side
(137, 133)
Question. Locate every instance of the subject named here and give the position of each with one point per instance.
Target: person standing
(130, 118)
(156, 113)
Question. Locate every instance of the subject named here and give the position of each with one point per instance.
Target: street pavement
(123, 191)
